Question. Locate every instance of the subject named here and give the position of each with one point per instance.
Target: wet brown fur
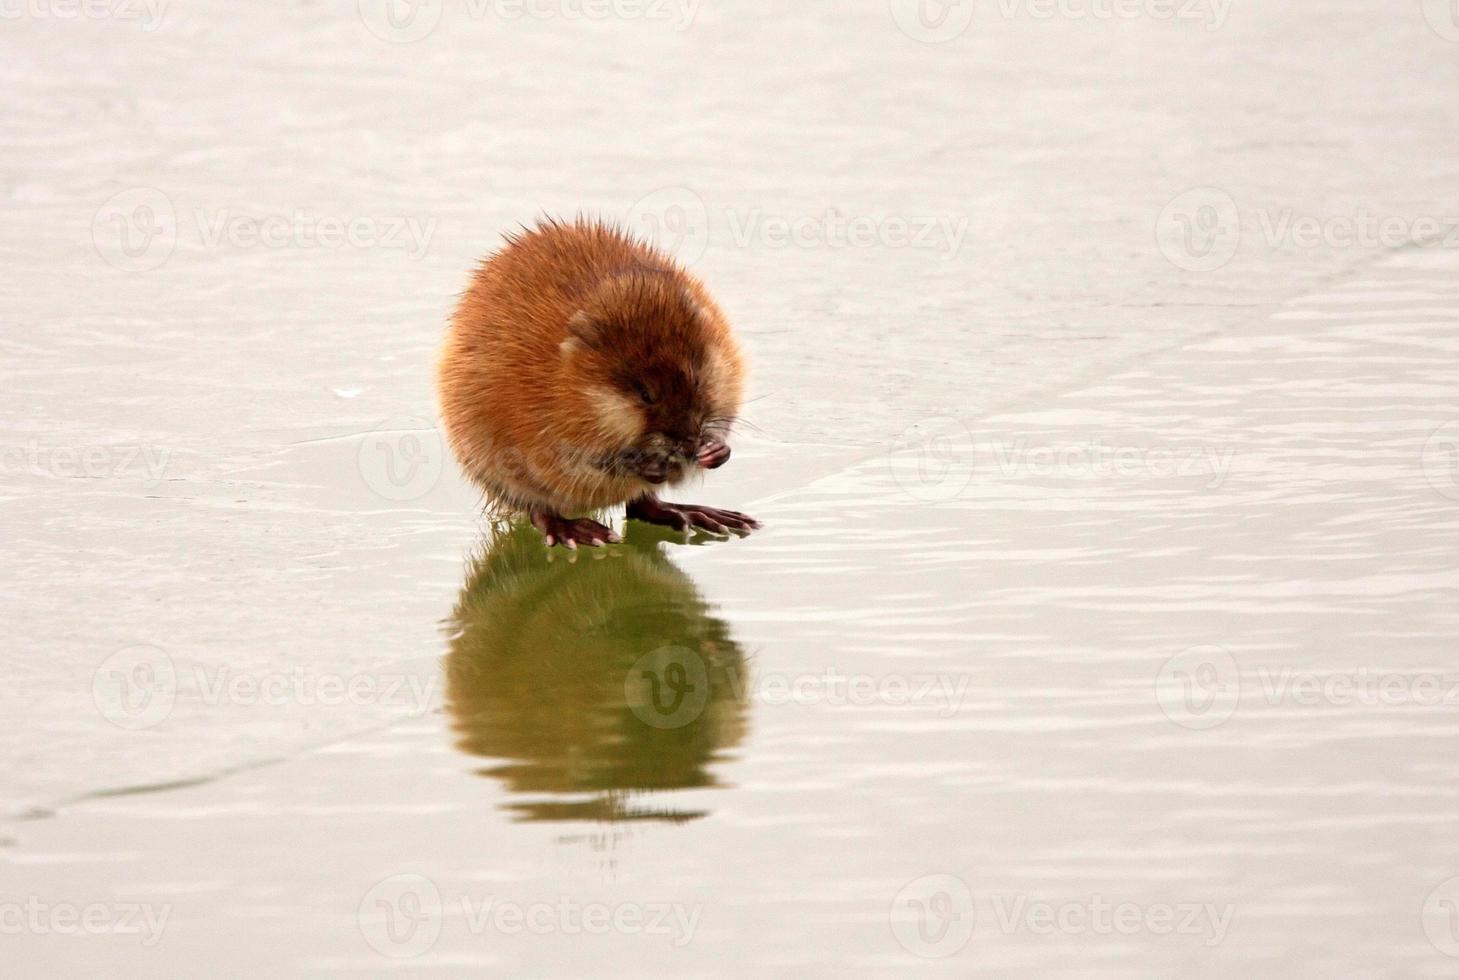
(549, 354)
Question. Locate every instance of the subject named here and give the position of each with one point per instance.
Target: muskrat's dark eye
(643, 393)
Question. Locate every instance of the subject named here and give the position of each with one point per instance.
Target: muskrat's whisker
(728, 425)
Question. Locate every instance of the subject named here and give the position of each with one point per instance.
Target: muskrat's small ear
(583, 329)
(696, 309)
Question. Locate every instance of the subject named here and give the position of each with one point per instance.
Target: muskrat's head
(660, 373)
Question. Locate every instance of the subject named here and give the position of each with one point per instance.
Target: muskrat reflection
(596, 679)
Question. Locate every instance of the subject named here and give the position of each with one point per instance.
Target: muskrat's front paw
(719, 521)
(571, 533)
(713, 455)
(681, 517)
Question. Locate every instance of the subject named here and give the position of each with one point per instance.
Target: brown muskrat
(584, 369)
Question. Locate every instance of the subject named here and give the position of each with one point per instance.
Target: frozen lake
(1105, 421)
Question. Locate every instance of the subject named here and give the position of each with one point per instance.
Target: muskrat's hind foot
(681, 517)
(571, 533)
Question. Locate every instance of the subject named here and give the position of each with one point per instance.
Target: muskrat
(594, 634)
(584, 369)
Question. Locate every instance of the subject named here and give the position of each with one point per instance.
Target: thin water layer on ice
(1168, 657)
(1101, 584)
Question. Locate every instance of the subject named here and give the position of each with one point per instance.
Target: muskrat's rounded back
(551, 338)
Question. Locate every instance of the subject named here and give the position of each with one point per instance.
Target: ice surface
(1062, 435)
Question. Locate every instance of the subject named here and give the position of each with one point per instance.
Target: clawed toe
(720, 521)
(571, 533)
(683, 517)
(734, 520)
